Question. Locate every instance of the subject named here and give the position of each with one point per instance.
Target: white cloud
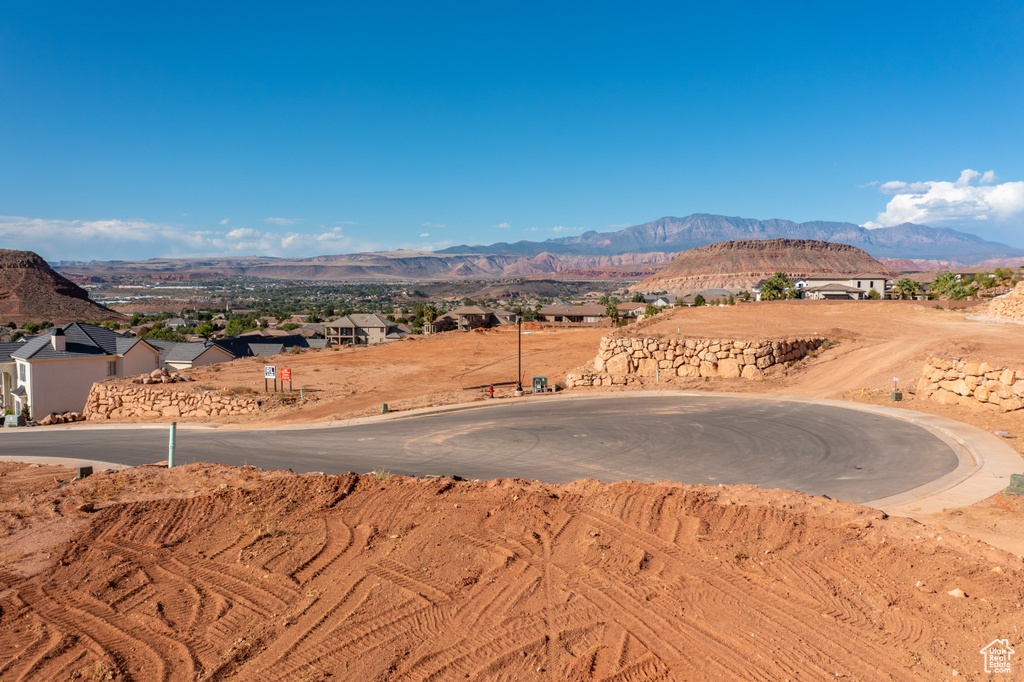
(242, 233)
(503, 225)
(424, 234)
(432, 225)
(223, 222)
(282, 221)
(140, 239)
(563, 228)
(973, 197)
(531, 229)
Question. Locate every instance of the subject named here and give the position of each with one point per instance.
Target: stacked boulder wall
(30, 291)
(1010, 306)
(121, 399)
(739, 265)
(624, 360)
(959, 381)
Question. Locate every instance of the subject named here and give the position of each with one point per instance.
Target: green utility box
(540, 384)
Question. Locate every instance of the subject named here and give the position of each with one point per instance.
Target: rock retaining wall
(1010, 306)
(627, 360)
(124, 401)
(953, 381)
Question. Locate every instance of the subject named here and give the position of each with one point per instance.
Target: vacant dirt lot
(210, 572)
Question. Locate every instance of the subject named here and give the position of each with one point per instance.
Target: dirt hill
(30, 291)
(207, 572)
(741, 264)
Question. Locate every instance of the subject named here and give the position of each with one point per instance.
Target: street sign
(286, 374)
(269, 372)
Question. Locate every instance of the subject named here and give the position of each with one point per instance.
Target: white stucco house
(55, 370)
(842, 287)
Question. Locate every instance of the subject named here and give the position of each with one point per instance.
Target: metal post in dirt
(170, 445)
(519, 373)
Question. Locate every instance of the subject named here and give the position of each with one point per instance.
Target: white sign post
(269, 372)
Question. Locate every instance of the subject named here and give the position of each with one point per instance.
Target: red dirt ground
(209, 572)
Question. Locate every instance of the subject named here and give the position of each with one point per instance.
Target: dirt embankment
(208, 572)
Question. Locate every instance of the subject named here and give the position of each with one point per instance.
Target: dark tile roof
(187, 351)
(40, 348)
(262, 350)
(242, 346)
(80, 340)
(7, 348)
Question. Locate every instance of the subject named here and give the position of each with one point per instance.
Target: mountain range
(670, 234)
(632, 253)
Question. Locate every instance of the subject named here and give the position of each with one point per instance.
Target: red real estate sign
(286, 374)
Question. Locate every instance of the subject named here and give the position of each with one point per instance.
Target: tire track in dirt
(437, 579)
(726, 583)
(95, 622)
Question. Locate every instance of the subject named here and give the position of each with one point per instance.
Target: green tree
(637, 298)
(698, 300)
(205, 330)
(874, 295)
(651, 310)
(943, 283)
(905, 288)
(778, 287)
(160, 331)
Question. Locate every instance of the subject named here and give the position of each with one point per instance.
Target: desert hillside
(741, 264)
(31, 291)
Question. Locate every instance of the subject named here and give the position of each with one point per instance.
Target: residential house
(473, 316)
(360, 329)
(56, 369)
(662, 301)
(175, 355)
(446, 322)
(177, 323)
(631, 308)
(591, 315)
(262, 346)
(842, 287)
(8, 372)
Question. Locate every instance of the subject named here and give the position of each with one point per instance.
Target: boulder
(752, 372)
(728, 367)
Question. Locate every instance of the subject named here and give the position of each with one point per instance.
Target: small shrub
(381, 474)
(238, 390)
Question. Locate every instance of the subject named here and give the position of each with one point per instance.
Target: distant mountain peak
(670, 234)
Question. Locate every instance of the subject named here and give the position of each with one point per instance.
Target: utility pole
(519, 373)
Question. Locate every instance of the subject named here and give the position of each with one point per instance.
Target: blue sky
(138, 130)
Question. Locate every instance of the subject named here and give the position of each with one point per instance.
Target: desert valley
(208, 571)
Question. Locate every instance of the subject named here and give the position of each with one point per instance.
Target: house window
(871, 284)
(111, 368)
(21, 372)
(858, 284)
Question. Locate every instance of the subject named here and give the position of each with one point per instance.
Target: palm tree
(906, 288)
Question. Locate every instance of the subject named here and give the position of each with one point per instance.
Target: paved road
(817, 449)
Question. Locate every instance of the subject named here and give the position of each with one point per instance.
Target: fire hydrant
(491, 390)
